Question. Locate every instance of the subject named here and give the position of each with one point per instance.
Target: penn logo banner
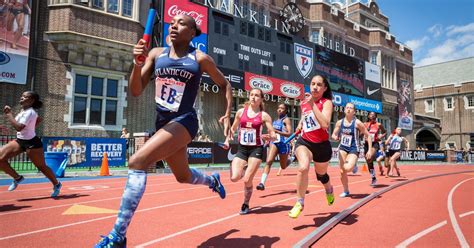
(303, 59)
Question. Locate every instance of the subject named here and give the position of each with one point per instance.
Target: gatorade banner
(86, 152)
(200, 152)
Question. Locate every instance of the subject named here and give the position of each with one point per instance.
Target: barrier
(57, 161)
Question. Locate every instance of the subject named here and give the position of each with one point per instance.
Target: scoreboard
(246, 46)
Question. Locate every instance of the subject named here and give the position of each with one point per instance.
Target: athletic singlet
(349, 135)
(177, 82)
(250, 129)
(373, 129)
(279, 125)
(395, 142)
(312, 130)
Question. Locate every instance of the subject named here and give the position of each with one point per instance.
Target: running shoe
(260, 186)
(56, 189)
(217, 186)
(354, 171)
(374, 181)
(111, 241)
(344, 194)
(296, 210)
(244, 209)
(15, 183)
(330, 197)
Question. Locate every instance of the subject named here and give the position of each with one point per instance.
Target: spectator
(207, 139)
(125, 135)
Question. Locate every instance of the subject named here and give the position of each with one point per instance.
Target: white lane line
(428, 230)
(420, 234)
(114, 216)
(452, 216)
(143, 210)
(231, 216)
(466, 214)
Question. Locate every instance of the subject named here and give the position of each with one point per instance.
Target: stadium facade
(80, 55)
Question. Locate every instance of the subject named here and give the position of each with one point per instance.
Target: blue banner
(85, 152)
(360, 103)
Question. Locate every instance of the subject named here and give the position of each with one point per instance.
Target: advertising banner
(14, 41)
(235, 78)
(200, 152)
(420, 155)
(274, 86)
(198, 12)
(85, 152)
(359, 102)
(372, 72)
(405, 109)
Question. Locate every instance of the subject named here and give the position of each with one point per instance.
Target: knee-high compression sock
(247, 194)
(371, 168)
(134, 189)
(200, 178)
(264, 178)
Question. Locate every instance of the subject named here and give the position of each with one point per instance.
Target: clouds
(445, 44)
(417, 44)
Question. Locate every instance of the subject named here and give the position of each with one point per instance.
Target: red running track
(181, 215)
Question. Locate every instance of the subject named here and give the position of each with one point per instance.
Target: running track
(435, 211)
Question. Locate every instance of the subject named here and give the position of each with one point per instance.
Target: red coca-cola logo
(174, 11)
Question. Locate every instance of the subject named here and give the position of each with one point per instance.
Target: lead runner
(177, 71)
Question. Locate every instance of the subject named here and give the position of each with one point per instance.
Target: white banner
(372, 72)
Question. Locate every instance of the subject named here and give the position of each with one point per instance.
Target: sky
(436, 30)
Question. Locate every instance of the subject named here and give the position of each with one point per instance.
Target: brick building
(444, 104)
(80, 54)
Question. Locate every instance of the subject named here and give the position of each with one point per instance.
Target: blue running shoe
(354, 171)
(15, 183)
(56, 189)
(111, 241)
(217, 186)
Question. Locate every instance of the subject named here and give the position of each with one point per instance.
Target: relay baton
(140, 60)
(292, 136)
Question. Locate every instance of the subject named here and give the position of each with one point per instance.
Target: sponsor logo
(290, 90)
(371, 92)
(230, 155)
(174, 11)
(303, 59)
(4, 58)
(406, 120)
(337, 99)
(261, 83)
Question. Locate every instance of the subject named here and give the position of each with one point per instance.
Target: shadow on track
(11, 207)
(319, 221)
(60, 197)
(222, 240)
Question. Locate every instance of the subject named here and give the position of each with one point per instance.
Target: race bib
(372, 136)
(396, 145)
(169, 93)
(346, 140)
(278, 139)
(248, 136)
(310, 123)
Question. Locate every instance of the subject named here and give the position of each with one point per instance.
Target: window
(117, 7)
(448, 103)
(314, 37)
(373, 57)
(469, 102)
(95, 101)
(429, 108)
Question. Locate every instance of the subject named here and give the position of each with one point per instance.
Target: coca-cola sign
(184, 7)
